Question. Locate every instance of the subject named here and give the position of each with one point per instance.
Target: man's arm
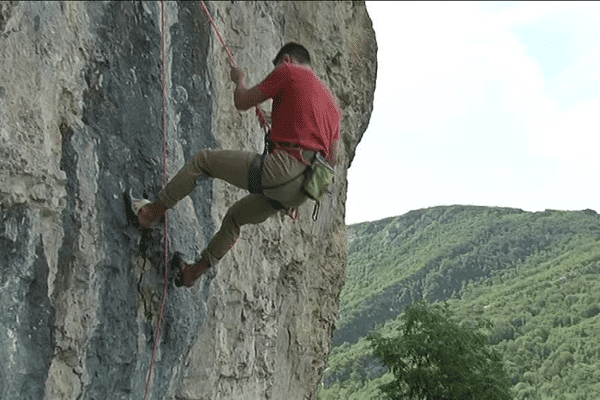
(243, 98)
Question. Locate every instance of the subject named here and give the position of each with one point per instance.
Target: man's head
(295, 51)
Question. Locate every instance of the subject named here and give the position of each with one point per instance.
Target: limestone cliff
(81, 122)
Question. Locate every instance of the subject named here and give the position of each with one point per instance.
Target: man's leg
(252, 209)
(229, 165)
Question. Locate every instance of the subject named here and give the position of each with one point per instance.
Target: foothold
(181, 94)
(132, 219)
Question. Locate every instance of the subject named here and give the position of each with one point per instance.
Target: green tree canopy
(433, 357)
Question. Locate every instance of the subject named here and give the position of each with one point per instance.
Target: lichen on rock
(81, 123)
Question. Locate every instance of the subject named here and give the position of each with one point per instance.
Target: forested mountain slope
(535, 276)
(435, 252)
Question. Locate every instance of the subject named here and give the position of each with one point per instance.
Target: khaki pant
(233, 166)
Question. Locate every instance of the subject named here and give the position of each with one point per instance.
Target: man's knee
(230, 217)
(253, 209)
(197, 165)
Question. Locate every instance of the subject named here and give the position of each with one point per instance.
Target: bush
(434, 357)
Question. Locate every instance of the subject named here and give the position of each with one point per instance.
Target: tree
(432, 357)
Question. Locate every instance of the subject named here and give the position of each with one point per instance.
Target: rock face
(81, 122)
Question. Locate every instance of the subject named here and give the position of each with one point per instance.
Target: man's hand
(237, 75)
(244, 98)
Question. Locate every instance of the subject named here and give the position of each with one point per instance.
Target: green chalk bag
(319, 178)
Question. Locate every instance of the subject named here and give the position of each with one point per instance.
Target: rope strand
(259, 112)
(166, 228)
(263, 123)
(212, 21)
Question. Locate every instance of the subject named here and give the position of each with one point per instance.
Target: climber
(305, 119)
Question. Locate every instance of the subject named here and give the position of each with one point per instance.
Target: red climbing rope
(166, 231)
(259, 112)
(263, 124)
(212, 21)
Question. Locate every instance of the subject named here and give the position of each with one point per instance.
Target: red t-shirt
(305, 111)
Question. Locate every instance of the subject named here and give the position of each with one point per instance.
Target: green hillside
(533, 275)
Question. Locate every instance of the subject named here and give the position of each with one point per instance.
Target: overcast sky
(482, 103)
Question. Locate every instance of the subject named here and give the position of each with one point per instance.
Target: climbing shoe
(147, 213)
(186, 274)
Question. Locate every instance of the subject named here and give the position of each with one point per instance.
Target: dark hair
(295, 50)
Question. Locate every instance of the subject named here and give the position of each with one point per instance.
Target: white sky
(482, 103)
